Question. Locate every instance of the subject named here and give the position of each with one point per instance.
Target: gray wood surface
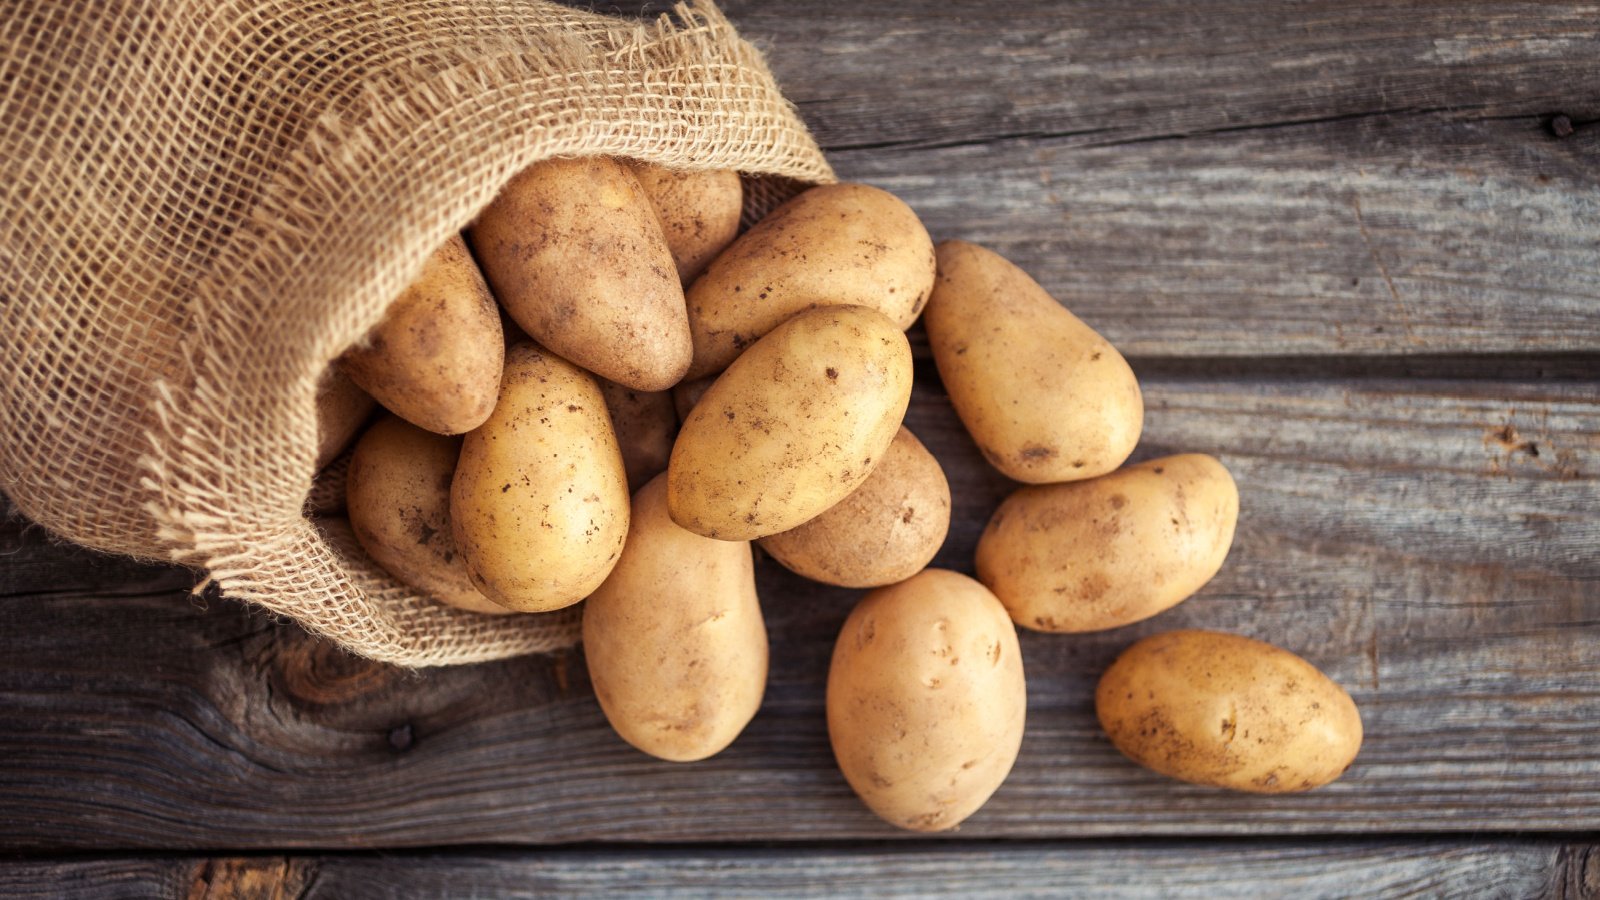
(1429, 544)
(1454, 869)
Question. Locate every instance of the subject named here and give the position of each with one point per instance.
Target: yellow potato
(1103, 553)
(699, 211)
(926, 699)
(342, 408)
(887, 530)
(539, 504)
(685, 394)
(398, 497)
(1045, 397)
(576, 255)
(436, 357)
(676, 646)
(834, 245)
(645, 423)
(1228, 711)
(793, 426)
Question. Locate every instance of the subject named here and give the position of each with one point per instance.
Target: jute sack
(204, 202)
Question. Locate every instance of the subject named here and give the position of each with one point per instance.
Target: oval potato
(645, 423)
(342, 408)
(1103, 553)
(397, 494)
(539, 503)
(1045, 397)
(833, 245)
(1225, 710)
(435, 358)
(675, 642)
(793, 426)
(576, 255)
(887, 530)
(699, 211)
(926, 699)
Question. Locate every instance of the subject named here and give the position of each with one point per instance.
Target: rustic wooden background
(1351, 249)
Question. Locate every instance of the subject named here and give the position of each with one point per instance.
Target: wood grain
(1429, 544)
(1329, 869)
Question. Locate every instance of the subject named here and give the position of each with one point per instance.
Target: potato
(435, 358)
(926, 699)
(398, 497)
(645, 423)
(342, 408)
(838, 244)
(699, 211)
(1103, 553)
(793, 426)
(1045, 397)
(1228, 711)
(887, 530)
(539, 504)
(685, 394)
(676, 646)
(576, 254)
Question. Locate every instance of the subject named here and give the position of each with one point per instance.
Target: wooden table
(1351, 249)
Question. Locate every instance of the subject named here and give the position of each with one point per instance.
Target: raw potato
(834, 245)
(1228, 711)
(676, 646)
(926, 699)
(645, 423)
(685, 394)
(699, 212)
(576, 254)
(436, 357)
(887, 530)
(793, 426)
(1098, 554)
(1045, 397)
(398, 497)
(342, 408)
(539, 504)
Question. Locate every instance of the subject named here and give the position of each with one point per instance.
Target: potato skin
(685, 394)
(398, 497)
(576, 255)
(539, 503)
(1228, 711)
(1046, 398)
(342, 408)
(886, 531)
(645, 423)
(837, 244)
(793, 426)
(1103, 553)
(926, 699)
(675, 642)
(699, 211)
(435, 358)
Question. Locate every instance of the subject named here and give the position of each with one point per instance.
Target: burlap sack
(203, 202)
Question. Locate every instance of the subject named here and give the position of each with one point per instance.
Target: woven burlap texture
(204, 202)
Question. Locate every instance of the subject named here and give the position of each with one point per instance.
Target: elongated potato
(887, 530)
(1103, 553)
(699, 211)
(539, 504)
(676, 646)
(342, 408)
(398, 498)
(576, 255)
(926, 699)
(1225, 710)
(793, 426)
(435, 358)
(834, 245)
(1045, 397)
(645, 423)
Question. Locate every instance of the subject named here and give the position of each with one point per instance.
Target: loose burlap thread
(204, 202)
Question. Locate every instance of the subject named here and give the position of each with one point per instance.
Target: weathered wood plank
(1327, 869)
(1430, 544)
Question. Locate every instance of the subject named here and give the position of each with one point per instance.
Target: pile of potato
(535, 374)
